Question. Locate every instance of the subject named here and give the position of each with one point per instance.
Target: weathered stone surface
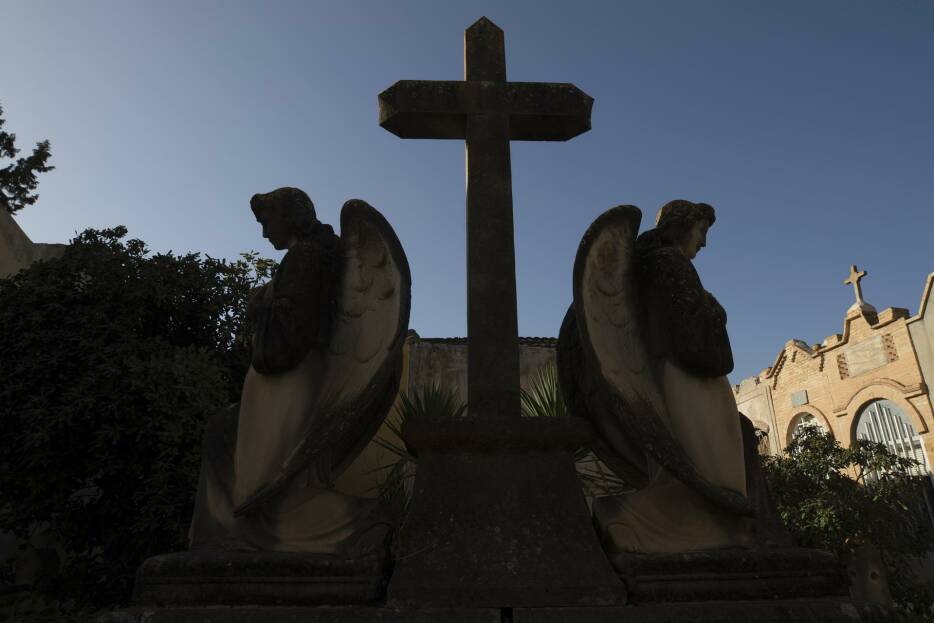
(763, 611)
(499, 519)
(487, 112)
(206, 578)
(323, 614)
(731, 574)
(538, 111)
(772, 611)
(327, 357)
(865, 356)
(642, 355)
(492, 321)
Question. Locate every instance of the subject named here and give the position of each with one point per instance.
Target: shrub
(113, 358)
(838, 499)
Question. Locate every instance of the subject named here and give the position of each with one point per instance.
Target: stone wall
(754, 400)
(921, 329)
(443, 361)
(17, 251)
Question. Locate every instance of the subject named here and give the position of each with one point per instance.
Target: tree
(18, 179)
(838, 499)
(113, 358)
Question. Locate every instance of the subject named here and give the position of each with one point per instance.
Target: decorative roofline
(886, 317)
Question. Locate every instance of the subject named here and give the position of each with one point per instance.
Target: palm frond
(543, 398)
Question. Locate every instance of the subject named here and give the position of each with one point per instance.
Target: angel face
(695, 239)
(277, 230)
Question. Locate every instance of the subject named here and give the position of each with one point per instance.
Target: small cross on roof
(853, 279)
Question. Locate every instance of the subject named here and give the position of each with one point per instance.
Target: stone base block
(771, 611)
(321, 614)
(498, 520)
(731, 575)
(259, 578)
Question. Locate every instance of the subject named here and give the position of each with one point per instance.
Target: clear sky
(809, 126)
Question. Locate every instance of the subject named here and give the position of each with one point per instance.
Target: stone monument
(498, 518)
(643, 356)
(269, 526)
(498, 528)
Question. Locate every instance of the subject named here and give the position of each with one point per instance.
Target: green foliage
(18, 179)
(544, 398)
(112, 361)
(837, 498)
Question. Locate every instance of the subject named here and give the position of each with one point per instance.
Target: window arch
(804, 420)
(883, 421)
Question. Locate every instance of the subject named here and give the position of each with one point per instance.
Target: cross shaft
(487, 113)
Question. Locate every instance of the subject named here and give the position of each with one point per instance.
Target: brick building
(871, 381)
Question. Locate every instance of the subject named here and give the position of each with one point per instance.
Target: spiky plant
(543, 398)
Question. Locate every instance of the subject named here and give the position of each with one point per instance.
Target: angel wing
(612, 445)
(364, 360)
(611, 382)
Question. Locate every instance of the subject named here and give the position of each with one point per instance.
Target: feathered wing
(624, 403)
(579, 387)
(364, 360)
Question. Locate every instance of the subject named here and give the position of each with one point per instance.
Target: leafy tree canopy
(18, 178)
(113, 358)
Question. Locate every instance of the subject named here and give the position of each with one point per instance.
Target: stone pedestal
(235, 578)
(498, 519)
(725, 586)
(291, 614)
(758, 611)
(494, 539)
(731, 574)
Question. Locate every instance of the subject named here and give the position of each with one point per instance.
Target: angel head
(286, 214)
(684, 225)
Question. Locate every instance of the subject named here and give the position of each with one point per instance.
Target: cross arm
(538, 111)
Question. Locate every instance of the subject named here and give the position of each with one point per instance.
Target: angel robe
(246, 447)
(690, 353)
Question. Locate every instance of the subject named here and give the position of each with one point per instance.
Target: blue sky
(807, 125)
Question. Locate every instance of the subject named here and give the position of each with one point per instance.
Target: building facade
(869, 382)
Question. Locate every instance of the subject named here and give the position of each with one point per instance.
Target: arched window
(804, 420)
(883, 421)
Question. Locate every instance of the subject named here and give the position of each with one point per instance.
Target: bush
(838, 499)
(112, 361)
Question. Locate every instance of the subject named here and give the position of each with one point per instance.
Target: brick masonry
(886, 355)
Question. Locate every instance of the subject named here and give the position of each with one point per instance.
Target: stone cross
(853, 279)
(487, 112)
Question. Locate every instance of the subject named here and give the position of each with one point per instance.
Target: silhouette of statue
(327, 349)
(643, 354)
